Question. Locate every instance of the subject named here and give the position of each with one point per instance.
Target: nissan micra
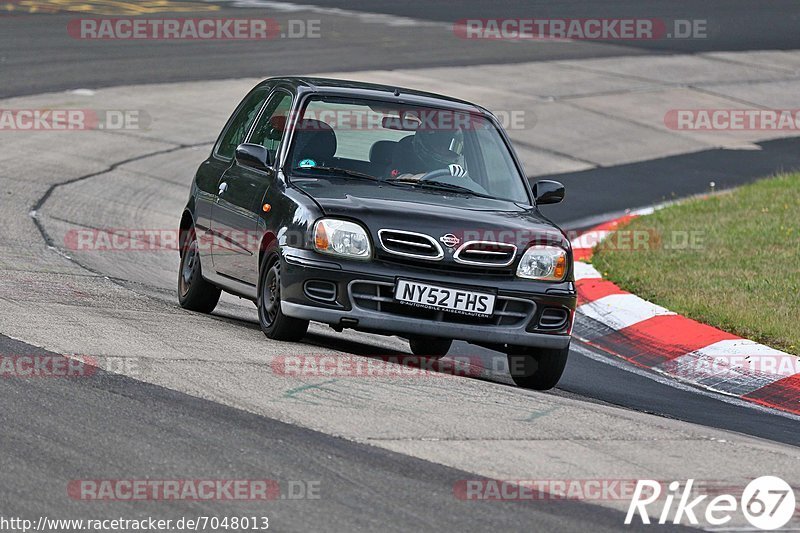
(384, 210)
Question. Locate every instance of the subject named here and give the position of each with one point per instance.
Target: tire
(432, 347)
(539, 369)
(274, 323)
(194, 292)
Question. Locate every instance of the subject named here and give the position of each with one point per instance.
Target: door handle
(222, 188)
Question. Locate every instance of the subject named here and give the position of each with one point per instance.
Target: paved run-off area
(120, 306)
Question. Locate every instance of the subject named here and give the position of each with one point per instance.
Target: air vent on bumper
(553, 318)
(320, 290)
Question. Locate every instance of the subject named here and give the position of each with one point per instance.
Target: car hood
(433, 212)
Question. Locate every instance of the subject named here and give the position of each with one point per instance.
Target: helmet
(433, 146)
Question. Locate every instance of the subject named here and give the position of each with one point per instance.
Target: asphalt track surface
(38, 55)
(155, 431)
(732, 24)
(612, 189)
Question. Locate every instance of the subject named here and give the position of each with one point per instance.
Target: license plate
(445, 298)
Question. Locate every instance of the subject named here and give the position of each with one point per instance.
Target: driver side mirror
(548, 192)
(254, 156)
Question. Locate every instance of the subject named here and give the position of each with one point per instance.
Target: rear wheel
(433, 347)
(538, 369)
(194, 292)
(274, 323)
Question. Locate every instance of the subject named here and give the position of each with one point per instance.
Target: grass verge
(730, 260)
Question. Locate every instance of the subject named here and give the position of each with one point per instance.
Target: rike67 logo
(767, 503)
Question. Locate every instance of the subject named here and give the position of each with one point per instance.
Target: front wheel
(274, 323)
(538, 369)
(194, 292)
(431, 347)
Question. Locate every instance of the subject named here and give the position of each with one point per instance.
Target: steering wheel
(438, 173)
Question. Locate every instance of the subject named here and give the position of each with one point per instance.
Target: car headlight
(343, 238)
(547, 263)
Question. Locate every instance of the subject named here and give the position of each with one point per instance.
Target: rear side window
(240, 125)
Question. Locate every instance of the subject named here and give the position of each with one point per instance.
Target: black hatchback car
(382, 209)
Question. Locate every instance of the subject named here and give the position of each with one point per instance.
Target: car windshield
(432, 148)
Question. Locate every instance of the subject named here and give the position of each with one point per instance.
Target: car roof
(374, 90)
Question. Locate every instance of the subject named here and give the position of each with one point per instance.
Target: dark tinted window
(241, 123)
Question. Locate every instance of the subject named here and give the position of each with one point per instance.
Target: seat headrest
(382, 152)
(314, 139)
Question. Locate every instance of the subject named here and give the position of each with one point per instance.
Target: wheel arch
(269, 251)
(187, 222)
(268, 248)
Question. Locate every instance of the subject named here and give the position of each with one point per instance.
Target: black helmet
(433, 146)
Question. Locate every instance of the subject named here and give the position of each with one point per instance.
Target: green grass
(743, 273)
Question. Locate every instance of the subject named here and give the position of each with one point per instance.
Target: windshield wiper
(446, 187)
(338, 170)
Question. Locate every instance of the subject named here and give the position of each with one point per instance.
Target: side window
(239, 126)
(272, 123)
(497, 163)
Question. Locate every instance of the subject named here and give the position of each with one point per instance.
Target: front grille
(410, 244)
(379, 297)
(486, 253)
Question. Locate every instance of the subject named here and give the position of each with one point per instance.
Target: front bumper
(359, 295)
